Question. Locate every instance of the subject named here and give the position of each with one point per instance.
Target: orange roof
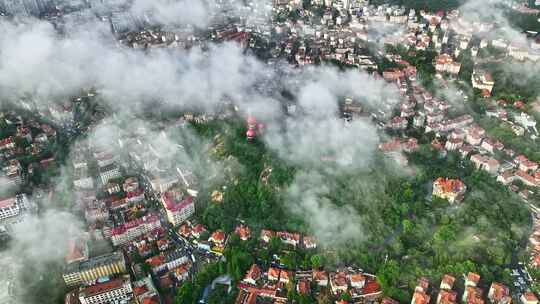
(243, 232)
(449, 185)
(273, 273)
(254, 272)
(319, 275)
(448, 279)
(499, 291)
(447, 296)
(103, 287)
(139, 290)
(420, 298)
(155, 260)
(303, 287)
(358, 277)
(473, 277)
(218, 236)
(530, 296)
(184, 230)
(284, 276)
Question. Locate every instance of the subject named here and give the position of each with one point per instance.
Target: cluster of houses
(472, 293)
(273, 283)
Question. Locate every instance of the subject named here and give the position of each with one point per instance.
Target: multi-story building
(114, 291)
(94, 268)
(489, 164)
(135, 228)
(109, 172)
(444, 63)
(179, 207)
(482, 80)
(13, 206)
(12, 172)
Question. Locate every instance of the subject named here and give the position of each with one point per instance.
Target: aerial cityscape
(269, 151)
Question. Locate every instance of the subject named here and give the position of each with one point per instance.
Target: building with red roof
(243, 232)
(253, 275)
(108, 292)
(134, 229)
(178, 207)
(499, 293)
(452, 190)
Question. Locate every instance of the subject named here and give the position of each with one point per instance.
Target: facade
(108, 172)
(133, 229)
(445, 63)
(482, 80)
(92, 269)
(178, 207)
(13, 206)
(114, 291)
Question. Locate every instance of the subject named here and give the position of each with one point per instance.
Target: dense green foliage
(407, 233)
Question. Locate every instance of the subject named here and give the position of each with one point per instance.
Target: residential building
(447, 282)
(444, 63)
(94, 268)
(114, 291)
(452, 190)
(499, 294)
(420, 298)
(109, 172)
(528, 298)
(482, 80)
(472, 279)
(488, 164)
(253, 275)
(178, 207)
(13, 206)
(134, 229)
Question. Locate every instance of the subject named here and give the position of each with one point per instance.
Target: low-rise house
(444, 63)
(357, 280)
(309, 242)
(525, 164)
(488, 164)
(289, 238)
(420, 298)
(320, 277)
(338, 282)
(528, 298)
(453, 144)
(422, 285)
(243, 232)
(397, 123)
(447, 282)
(302, 287)
(499, 294)
(525, 178)
(253, 275)
(472, 295)
(267, 235)
(446, 297)
(273, 274)
(482, 80)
